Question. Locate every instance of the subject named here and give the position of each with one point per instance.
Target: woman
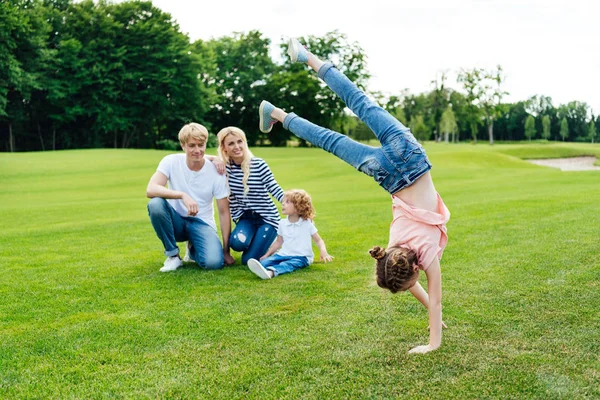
(250, 182)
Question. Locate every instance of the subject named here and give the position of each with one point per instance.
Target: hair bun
(377, 252)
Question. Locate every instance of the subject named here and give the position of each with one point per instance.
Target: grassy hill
(85, 313)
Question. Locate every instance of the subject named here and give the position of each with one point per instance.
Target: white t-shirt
(202, 186)
(297, 238)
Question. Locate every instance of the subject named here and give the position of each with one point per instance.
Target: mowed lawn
(85, 312)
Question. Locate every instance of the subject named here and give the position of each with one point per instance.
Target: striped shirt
(261, 182)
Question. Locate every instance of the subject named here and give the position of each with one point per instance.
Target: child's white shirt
(297, 238)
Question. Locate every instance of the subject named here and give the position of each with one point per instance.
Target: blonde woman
(251, 185)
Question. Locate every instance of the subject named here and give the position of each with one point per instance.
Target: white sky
(547, 47)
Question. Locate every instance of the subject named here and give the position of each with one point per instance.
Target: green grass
(85, 313)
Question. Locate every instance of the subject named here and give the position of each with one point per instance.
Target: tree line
(89, 75)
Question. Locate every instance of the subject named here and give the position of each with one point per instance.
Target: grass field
(85, 313)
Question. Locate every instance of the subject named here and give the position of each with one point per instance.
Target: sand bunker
(585, 163)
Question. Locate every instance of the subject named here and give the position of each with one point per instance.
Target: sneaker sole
(258, 269)
(261, 122)
(292, 50)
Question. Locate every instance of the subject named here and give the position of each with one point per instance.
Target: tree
(592, 130)
(439, 97)
(530, 131)
(564, 129)
(546, 127)
(242, 69)
(484, 90)
(448, 125)
(419, 128)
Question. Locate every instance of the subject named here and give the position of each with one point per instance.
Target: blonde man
(181, 206)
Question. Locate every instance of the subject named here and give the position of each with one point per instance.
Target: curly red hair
(302, 203)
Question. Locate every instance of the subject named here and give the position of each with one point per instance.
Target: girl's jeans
(284, 264)
(171, 228)
(252, 235)
(395, 165)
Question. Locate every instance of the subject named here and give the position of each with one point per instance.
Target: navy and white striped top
(261, 182)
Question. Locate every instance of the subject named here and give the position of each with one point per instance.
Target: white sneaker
(187, 257)
(171, 264)
(256, 267)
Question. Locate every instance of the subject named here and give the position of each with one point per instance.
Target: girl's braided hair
(395, 267)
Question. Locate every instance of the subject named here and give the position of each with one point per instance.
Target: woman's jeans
(284, 264)
(252, 236)
(170, 227)
(395, 165)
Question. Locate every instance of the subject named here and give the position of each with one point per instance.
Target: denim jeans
(400, 160)
(284, 264)
(171, 228)
(252, 236)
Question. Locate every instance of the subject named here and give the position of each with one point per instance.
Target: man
(184, 210)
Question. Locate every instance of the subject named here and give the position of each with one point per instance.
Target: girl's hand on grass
(422, 349)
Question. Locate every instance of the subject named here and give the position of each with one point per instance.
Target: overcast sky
(548, 47)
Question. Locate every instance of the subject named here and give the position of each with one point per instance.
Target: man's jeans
(252, 235)
(171, 228)
(395, 165)
(284, 264)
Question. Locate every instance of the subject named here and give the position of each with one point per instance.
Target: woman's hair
(193, 130)
(232, 130)
(395, 268)
(302, 203)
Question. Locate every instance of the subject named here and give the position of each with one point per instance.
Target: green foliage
(85, 313)
(419, 129)
(564, 129)
(530, 131)
(546, 127)
(592, 131)
(448, 124)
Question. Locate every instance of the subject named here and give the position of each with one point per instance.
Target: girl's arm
(274, 247)
(325, 257)
(433, 301)
(421, 295)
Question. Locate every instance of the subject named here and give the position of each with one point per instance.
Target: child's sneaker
(187, 257)
(264, 112)
(296, 51)
(256, 267)
(171, 264)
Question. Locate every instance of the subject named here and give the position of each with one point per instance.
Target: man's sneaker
(187, 257)
(296, 51)
(171, 264)
(256, 267)
(264, 113)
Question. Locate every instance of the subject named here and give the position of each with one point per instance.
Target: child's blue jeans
(252, 235)
(395, 165)
(284, 264)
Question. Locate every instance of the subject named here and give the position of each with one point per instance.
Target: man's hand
(190, 204)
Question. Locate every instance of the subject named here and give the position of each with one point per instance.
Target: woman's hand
(219, 165)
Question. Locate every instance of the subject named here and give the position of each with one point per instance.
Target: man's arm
(157, 187)
(225, 222)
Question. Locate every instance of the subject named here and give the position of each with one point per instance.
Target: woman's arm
(434, 305)
(270, 183)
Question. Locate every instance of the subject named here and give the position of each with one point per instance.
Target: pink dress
(421, 230)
